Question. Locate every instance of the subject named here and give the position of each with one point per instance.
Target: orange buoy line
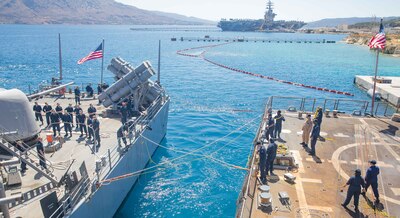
(201, 55)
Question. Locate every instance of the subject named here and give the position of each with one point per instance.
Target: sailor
(270, 126)
(271, 155)
(40, 151)
(38, 112)
(121, 134)
(318, 116)
(90, 128)
(307, 126)
(89, 90)
(55, 122)
(355, 184)
(67, 120)
(77, 95)
(262, 152)
(371, 179)
(81, 121)
(59, 110)
(124, 112)
(70, 111)
(314, 136)
(96, 129)
(47, 110)
(20, 146)
(99, 89)
(278, 124)
(91, 111)
(77, 110)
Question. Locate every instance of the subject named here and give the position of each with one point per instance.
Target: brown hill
(84, 12)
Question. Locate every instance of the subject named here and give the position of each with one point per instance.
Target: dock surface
(348, 143)
(389, 91)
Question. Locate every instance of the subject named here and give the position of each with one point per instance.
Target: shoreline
(392, 47)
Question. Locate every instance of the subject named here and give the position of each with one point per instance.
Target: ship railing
(247, 195)
(68, 202)
(113, 155)
(245, 201)
(25, 150)
(342, 105)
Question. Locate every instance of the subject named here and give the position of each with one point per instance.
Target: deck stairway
(29, 157)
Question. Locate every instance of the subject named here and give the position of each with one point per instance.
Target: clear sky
(305, 10)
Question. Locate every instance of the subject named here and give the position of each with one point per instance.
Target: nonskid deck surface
(74, 151)
(349, 142)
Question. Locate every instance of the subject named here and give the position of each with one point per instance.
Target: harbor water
(214, 112)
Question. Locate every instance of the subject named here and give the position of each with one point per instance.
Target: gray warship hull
(108, 198)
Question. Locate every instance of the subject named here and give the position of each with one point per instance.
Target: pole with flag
(377, 42)
(98, 53)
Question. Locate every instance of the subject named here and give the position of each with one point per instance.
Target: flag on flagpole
(379, 40)
(98, 53)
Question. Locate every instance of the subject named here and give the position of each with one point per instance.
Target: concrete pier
(389, 91)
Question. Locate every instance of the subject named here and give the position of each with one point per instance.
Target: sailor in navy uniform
(55, 122)
(355, 184)
(70, 111)
(38, 112)
(91, 111)
(47, 110)
(96, 129)
(271, 155)
(262, 152)
(371, 179)
(59, 110)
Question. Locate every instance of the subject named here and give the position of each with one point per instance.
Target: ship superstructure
(80, 179)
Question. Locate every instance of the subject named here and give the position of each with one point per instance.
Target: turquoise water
(205, 99)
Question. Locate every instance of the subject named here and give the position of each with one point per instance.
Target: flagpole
(102, 65)
(159, 62)
(374, 89)
(59, 55)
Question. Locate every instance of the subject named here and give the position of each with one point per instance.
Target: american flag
(379, 40)
(98, 53)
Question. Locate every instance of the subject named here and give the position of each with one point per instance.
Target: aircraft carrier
(268, 24)
(80, 180)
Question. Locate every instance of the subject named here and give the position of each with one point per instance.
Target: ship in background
(268, 24)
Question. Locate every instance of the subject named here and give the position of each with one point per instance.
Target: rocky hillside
(84, 12)
(392, 42)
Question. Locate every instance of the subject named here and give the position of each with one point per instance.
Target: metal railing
(247, 195)
(341, 105)
(112, 156)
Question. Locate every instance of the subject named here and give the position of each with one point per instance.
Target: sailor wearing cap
(371, 179)
(355, 184)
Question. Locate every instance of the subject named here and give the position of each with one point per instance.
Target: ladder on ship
(28, 157)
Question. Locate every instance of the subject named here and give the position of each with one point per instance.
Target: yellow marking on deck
(396, 191)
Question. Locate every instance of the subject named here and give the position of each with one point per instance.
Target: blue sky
(306, 10)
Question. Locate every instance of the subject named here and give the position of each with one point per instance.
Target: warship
(268, 24)
(76, 178)
(305, 185)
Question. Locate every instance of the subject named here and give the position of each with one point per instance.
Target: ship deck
(73, 153)
(348, 143)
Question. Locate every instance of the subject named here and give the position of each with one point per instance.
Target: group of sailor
(55, 116)
(311, 130)
(359, 185)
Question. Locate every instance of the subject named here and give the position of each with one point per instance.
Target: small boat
(378, 95)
